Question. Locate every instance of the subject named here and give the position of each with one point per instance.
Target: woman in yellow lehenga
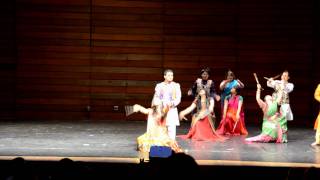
(157, 133)
(317, 123)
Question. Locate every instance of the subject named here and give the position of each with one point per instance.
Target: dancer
(232, 122)
(202, 127)
(157, 133)
(274, 123)
(282, 87)
(317, 123)
(208, 85)
(169, 93)
(226, 86)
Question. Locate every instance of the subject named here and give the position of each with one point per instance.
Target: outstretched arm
(186, 111)
(139, 108)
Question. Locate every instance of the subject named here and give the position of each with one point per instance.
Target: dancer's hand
(259, 86)
(237, 117)
(217, 97)
(189, 92)
(182, 117)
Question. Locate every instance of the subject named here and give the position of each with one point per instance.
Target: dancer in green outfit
(274, 126)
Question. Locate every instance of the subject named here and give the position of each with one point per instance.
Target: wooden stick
(256, 78)
(274, 77)
(235, 125)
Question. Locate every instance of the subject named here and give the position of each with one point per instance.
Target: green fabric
(270, 127)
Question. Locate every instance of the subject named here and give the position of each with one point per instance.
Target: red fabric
(202, 131)
(230, 125)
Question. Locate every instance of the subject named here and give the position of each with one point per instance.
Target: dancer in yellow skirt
(157, 133)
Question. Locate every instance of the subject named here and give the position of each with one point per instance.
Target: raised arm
(259, 101)
(271, 83)
(241, 85)
(223, 84)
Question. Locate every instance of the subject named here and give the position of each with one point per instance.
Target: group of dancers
(163, 116)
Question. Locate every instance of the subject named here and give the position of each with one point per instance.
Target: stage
(115, 142)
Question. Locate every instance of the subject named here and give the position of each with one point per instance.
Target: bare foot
(314, 144)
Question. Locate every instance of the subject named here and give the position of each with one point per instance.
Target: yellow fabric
(317, 123)
(156, 135)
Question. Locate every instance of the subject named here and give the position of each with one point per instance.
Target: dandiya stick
(256, 78)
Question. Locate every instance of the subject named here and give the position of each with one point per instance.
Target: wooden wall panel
(80, 59)
(127, 46)
(53, 77)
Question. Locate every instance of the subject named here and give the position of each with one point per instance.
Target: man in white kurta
(284, 87)
(169, 93)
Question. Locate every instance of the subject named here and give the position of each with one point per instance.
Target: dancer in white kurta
(283, 87)
(169, 93)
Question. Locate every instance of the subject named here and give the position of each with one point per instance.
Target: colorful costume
(274, 127)
(227, 90)
(317, 123)
(202, 126)
(230, 125)
(156, 135)
(287, 88)
(170, 94)
(207, 85)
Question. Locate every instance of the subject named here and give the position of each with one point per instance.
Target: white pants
(172, 131)
(286, 110)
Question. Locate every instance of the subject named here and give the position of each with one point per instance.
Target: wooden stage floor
(115, 141)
